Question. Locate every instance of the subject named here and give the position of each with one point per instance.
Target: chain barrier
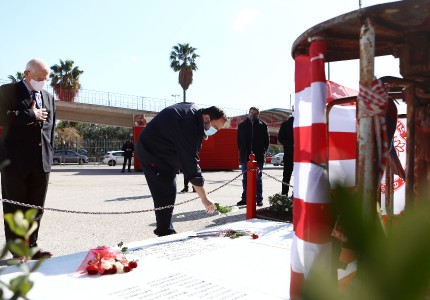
(116, 212)
(276, 179)
(134, 211)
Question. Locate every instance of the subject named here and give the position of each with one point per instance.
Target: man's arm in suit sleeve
(266, 139)
(53, 122)
(282, 138)
(8, 114)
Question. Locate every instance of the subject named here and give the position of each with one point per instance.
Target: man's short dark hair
(214, 113)
(254, 108)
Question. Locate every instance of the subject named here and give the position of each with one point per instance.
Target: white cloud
(244, 18)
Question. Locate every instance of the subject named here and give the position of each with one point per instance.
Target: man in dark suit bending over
(27, 113)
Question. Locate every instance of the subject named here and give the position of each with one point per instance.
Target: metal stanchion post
(251, 187)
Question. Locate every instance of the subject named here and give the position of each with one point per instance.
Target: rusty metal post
(367, 171)
(389, 197)
(409, 96)
(251, 187)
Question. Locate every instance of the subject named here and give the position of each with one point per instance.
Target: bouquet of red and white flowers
(105, 260)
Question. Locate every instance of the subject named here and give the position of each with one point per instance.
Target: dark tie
(38, 99)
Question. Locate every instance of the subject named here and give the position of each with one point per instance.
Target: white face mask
(210, 131)
(37, 85)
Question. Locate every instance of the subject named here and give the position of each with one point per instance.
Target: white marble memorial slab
(181, 266)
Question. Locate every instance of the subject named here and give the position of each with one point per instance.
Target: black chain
(270, 176)
(116, 212)
(133, 211)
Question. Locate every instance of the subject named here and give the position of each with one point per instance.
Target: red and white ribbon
(372, 103)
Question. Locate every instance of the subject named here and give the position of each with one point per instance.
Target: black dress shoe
(41, 254)
(185, 190)
(241, 202)
(260, 203)
(163, 233)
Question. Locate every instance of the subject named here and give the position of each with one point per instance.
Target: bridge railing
(120, 100)
(127, 101)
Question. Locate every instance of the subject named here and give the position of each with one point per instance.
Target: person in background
(27, 113)
(286, 138)
(128, 149)
(171, 142)
(252, 137)
(185, 189)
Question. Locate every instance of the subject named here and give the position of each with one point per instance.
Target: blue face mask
(210, 131)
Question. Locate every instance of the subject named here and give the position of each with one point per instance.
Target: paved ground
(100, 188)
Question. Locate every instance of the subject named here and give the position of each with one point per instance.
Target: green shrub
(280, 203)
(23, 225)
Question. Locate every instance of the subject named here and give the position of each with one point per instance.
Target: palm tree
(65, 80)
(182, 59)
(19, 76)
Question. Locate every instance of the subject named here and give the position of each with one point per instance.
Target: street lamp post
(174, 96)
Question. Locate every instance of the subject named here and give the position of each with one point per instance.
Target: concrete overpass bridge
(112, 108)
(123, 117)
(108, 108)
(99, 114)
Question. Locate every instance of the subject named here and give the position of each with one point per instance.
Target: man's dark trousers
(163, 190)
(125, 163)
(15, 187)
(288, 170)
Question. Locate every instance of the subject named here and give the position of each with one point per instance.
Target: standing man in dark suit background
(128, 149)
(286, 138)
(27, 113)
(252, 137)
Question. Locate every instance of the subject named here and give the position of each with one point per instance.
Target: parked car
(278, 159)
(68, 156)
(83, 152)
(268, 157)
(114, 157)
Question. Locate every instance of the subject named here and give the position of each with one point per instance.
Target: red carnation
(92, 270)
(254, 236)
(127, 269)
(132, 264)
(112, 270)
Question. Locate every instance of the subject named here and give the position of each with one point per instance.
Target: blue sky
(123, 46)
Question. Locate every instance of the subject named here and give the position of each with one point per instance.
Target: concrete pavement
(100, 188)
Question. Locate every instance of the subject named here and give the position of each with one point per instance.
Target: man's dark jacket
(252, 136)
(285, 136)
(24, 139)
(172, 140)
(128, 149)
